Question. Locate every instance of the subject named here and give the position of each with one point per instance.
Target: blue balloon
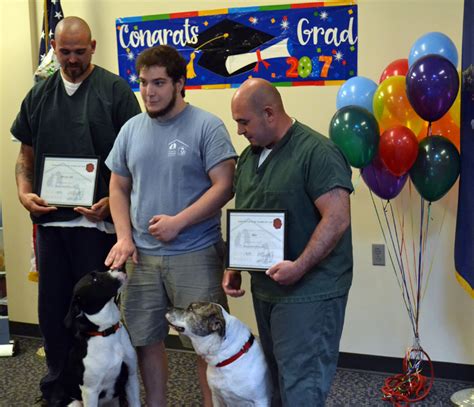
(357, 91)
(433, 43)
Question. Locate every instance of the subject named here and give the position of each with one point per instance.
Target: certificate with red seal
(69, 181)
(256, 239)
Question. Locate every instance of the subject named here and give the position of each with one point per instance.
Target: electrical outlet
(378, 254)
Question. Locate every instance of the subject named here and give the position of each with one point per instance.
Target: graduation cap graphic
(230, 48)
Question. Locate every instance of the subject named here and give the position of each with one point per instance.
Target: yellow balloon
(455, 110)
(392, 107)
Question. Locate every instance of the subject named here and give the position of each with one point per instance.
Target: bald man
(76, 112)
(299, 302)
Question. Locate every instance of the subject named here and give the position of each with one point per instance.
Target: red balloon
(398, 149)
(399, 67)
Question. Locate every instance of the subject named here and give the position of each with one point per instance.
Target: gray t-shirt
(169, 164)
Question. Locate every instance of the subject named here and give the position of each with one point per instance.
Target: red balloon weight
(399, 67)
(398, 149)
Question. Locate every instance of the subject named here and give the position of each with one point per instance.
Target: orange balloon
(446, 127)
(392, 107)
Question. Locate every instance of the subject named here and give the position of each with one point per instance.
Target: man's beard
(168, 108)
(77, 72)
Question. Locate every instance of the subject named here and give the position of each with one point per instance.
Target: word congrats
(288, 45)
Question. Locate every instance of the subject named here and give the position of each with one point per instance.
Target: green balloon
(436, 168)
(356, 131)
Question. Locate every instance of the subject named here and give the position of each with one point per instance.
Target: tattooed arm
(24, 171)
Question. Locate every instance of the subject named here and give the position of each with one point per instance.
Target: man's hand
(120, 252)
(97, 212)
(285, 272)
(231, 283)
(164, 228)
(35, 205)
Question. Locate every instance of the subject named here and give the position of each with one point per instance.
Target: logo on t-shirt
(177, 148)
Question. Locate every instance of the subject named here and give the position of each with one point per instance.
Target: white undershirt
(81, 221)
(266, 151)
(70, 86)
(263, 155)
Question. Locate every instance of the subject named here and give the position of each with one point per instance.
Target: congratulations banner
(289, 45)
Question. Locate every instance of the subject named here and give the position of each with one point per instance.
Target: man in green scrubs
(299, 302)
(76, 112)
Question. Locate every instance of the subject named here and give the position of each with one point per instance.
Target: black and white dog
(102, 365)
(237, 372)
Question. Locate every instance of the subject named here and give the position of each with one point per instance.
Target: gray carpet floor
(19, 377)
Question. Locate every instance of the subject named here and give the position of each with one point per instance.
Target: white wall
(377, 321)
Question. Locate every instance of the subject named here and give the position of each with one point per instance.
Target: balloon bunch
(408, 124)
(405, 127)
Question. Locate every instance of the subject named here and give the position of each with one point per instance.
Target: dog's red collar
(106, 332)
(243, 350)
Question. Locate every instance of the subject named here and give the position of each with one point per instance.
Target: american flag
(47, 64)
(53, 13)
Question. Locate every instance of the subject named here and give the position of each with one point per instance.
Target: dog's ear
(73, 313)
(217, 324)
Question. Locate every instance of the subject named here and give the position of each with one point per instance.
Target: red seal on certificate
(277, 224)
(90, 167)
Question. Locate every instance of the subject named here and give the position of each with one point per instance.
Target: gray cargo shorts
(159, 282)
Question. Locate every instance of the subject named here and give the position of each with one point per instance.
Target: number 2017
(303, 66)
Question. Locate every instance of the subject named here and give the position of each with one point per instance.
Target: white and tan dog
(237, 372)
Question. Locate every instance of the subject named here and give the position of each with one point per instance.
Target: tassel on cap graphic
(190, 72)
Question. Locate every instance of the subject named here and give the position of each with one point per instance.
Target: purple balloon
(381, 181)
(432, 85)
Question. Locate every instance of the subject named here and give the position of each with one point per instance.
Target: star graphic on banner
(324, 15)
(285, 24)
(253, 20)
(338, 56)
(58, 15)
(130, 56)
(132, 78)
(50, 34)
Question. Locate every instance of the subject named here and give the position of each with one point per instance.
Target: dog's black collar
(106, 332)
(243, 350)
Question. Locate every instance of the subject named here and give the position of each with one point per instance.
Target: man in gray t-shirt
(172, 171)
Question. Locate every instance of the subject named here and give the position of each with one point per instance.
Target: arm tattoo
(23, 170)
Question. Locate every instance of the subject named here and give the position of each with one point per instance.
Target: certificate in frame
(69, 181)
(256, 239)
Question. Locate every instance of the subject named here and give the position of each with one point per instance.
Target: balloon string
(420, 262)
(412, 223)
(356, 182)
(406, 303)
(401, 217)
(412, 275)
(438, 238)
(425, 242)
(429, 129)
(398, 251)
(410, 314)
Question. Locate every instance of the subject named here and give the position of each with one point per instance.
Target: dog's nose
(120, 275)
